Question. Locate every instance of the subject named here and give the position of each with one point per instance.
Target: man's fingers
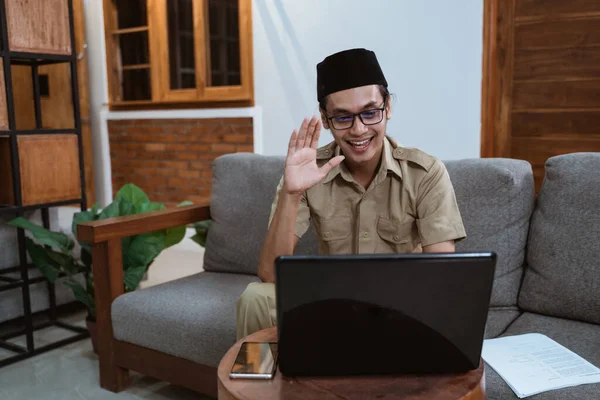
(317, 134)
(292, 144)
(310, 131)
(302, 134)
(331, 164)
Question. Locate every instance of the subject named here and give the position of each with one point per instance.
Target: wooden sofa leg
(113, 377)
(108, 285)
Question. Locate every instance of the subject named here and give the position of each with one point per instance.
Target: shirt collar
(388, 162)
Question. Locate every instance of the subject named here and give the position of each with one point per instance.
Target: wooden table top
(469, 386)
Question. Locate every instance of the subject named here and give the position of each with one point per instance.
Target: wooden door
(541, 79)
(57, 104)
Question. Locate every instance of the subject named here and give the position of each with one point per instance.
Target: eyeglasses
(367, 117)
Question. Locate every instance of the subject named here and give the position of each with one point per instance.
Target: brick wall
(171, 160)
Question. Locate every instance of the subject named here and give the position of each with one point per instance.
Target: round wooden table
(469, 386)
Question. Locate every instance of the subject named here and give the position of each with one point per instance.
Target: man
(363, 192)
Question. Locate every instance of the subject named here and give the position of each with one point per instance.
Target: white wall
(430, 51)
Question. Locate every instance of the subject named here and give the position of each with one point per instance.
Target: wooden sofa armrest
(107, 266)
(120, 227)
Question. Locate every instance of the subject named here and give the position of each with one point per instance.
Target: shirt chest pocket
(334, 234)
(396, 236)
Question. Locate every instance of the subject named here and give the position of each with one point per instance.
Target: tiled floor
(71, 372)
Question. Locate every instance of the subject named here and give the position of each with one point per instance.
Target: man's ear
(388, 108)
(324, 119)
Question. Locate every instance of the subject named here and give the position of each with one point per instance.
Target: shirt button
(327, 152)
(327, 234)
(365, 234)
(396, 237)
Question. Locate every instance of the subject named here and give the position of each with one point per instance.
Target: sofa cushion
(498, 320)
(191, 318)
(495, 198)
(562, 277)
(579, 337)
(243, 190)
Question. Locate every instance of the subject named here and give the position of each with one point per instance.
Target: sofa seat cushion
(579, 337)
(562, 278)
(495, 198)
(498, 320)
(191, 318)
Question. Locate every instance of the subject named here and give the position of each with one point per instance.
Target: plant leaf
(201, 240)
(80, 293)
(40, 257)
(57, 240)
(133, 194)
(146, 207)
(110, 211)
(143, 249)
(94, 210)
(185, 203)
(133, 276)
(66, 262)
(126, 207)
(174, 236)
(81, 217)
(202, 228)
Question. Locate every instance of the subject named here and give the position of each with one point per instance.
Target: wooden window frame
(162, 95)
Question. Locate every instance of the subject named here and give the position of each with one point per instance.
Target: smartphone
(255, 360)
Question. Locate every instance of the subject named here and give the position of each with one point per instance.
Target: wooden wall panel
(6, 185)
(38, 26)
(554, 102)
(573, 94)
(84, 101)
(57, 107)
(497, 78)
(49, 168)
(555, 34)
(23, 97)
(561, 64)
(537, 151)
(3, 109)
(531, 8)
(577, 124)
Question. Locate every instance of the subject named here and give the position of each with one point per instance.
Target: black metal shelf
(34, 60)
(7, 209)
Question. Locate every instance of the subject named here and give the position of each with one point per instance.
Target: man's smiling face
(362, 142)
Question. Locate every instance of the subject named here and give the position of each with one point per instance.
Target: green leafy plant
(53, 252)
(201, 232)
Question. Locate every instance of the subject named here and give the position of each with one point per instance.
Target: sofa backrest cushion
(562, 276)
(243, 189)
(495, 198)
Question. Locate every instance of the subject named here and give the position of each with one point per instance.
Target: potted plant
(55, 255)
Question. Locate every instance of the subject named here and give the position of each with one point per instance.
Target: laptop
(382, 314)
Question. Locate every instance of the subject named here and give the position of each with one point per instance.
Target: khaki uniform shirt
(410, 203)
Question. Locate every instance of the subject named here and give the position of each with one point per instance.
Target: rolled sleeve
(303, 218)
(439, 218)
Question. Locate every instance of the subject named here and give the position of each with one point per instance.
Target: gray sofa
(547, 276)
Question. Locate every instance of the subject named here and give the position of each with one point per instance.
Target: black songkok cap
(346, 70)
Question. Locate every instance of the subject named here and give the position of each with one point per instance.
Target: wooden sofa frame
(116, 358)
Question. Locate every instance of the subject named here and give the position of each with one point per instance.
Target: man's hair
(382, 89)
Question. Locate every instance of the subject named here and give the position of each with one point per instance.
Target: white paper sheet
(533, 363)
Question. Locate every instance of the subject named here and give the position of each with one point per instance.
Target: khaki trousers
(256, 309)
